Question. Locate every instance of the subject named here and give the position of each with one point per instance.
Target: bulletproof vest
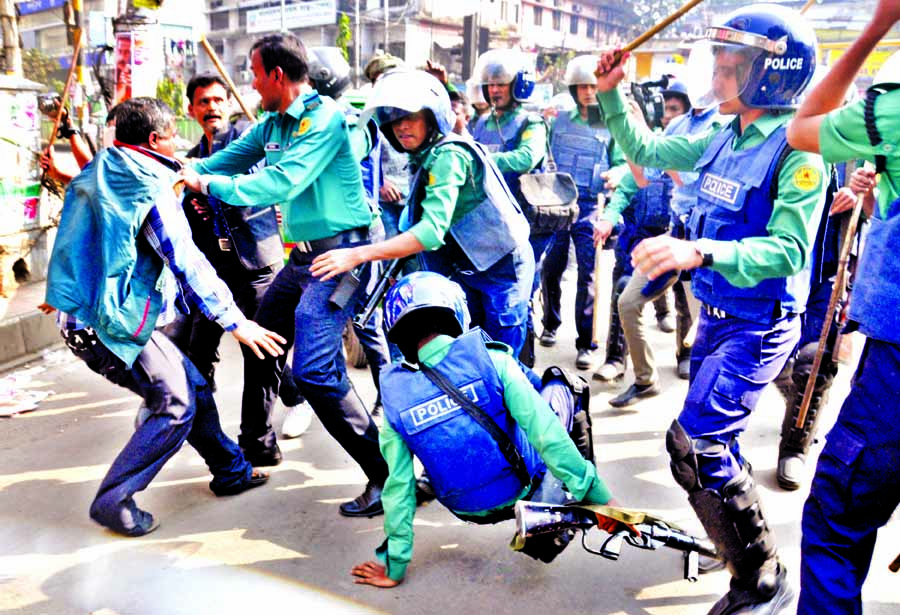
(876, 293)
(370, 166)
(490, 231)
(583, 152)
(503, 140)
(733, 202)
(684, 196)
(466, 467)
(253, 230)
(651, 203)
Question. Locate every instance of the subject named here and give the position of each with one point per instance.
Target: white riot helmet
(580, 71)
(889, 71)
(506, 66)
(399, 93)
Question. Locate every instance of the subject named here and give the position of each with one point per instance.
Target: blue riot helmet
(421, 304)
(506, 66)
(679, 90)
(399, 93)
(580, 71)
(329, 72)
(767, 49)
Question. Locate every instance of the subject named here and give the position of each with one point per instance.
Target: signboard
(38, 6)
(298, 15)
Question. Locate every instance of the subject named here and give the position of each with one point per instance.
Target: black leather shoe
(548, 338)
(684, 369)
(256, 479)
(368, 504)
(634, 393)
(264, 457)
(424, 490)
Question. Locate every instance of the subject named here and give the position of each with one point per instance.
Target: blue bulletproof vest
(493, 229)
(503, 140)
(734, 202)
(651, 203)
(583, 152)
(464, 462)
(876, 293)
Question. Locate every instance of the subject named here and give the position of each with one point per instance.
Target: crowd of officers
(727, 206)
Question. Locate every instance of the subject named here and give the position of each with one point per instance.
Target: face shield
(720, 66)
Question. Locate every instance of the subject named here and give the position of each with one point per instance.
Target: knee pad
(581, 390)
(683, 459)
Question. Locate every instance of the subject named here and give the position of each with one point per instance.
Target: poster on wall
(19, 173)
(123, 66)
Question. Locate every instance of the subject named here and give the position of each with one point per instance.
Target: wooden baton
(218, 64)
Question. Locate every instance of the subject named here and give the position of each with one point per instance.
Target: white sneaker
(296, 421)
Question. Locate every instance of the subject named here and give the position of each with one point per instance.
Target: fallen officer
(486, 431)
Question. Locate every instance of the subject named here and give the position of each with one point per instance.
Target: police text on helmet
(784, 63)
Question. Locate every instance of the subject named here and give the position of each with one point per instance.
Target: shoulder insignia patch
(807, 178)
(431, 179)
(305, 123)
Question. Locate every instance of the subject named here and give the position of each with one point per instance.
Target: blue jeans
(855, 490)
(297, 307)
(498, 298)
(732, 361)
(582, 235)
(177, 405)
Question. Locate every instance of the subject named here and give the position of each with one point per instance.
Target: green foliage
(38, 66)
(344, 36)
(171, 92)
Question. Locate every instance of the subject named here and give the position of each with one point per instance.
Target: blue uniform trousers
(498, 298)
(297, 307)
(732, 361)
(177, 405)
(582, 235)
(855, 490)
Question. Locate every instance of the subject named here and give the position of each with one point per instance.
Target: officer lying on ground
(427, 318)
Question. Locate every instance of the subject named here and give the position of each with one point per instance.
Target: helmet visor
(386, 115)
(719, 71)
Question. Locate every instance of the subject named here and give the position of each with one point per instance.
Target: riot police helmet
(767, 50)
(506, 66)
(329, 71)
(421, 304)
(580, 71)
(399, 93)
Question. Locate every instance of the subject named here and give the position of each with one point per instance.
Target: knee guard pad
(582, 426)
(735, 523)
(798, 440)
(682, 458)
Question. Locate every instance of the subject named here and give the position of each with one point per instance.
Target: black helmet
(329, 72)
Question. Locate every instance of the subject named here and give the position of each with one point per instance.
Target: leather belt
(714, 311)
(320, 245)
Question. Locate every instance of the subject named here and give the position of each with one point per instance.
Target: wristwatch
(706, 255)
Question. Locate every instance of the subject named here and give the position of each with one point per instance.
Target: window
(218, 21)
(557, 20)
(538, 16)
(590, 28)
(573, 24)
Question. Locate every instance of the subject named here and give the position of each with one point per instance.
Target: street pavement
(284, 548)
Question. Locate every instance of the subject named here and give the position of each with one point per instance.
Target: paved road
(285, 547)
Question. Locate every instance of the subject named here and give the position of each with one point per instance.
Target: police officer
(329, 74)
(517, 140)
(582, 147)
(428, 319)
(855, 488)
(457, 194)
(312, 171)
(748, 245)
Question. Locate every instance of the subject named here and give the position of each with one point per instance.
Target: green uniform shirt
(310, 170)
(528, 409)
(802, 183)
(843, 136)
(454, 186)
(529, 151)
(618, 167)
